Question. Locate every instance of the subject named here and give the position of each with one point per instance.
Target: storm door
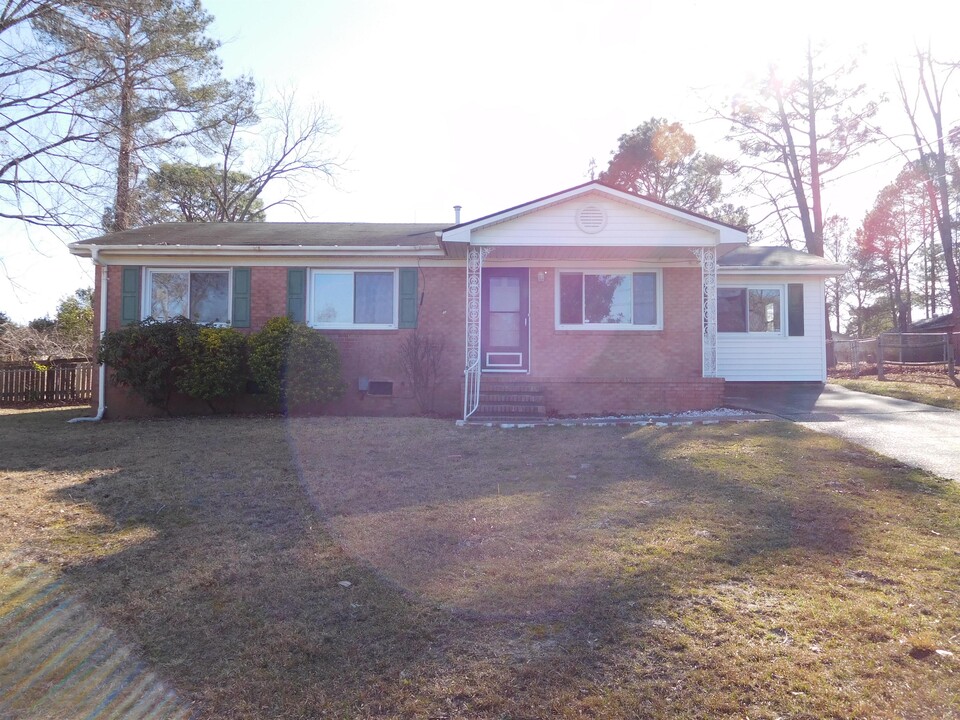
(505, 336)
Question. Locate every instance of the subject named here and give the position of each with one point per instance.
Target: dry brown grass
(929, 388)
(728, 571)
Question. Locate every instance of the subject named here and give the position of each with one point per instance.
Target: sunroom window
(749, 309)
(202, 296)
(613, 300)
(353, 298)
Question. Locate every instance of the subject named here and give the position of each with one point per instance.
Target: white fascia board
(460, 234)
(729, 235)
(261, 250)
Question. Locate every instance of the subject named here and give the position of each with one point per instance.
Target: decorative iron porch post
(471, 390)
(708, 297)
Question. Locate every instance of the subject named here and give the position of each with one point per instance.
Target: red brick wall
(268, 295)
(582, 372)
(364, 353)
(374, 354)
(674, 352)
(616, 371)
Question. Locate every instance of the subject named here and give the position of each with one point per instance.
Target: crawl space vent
(591, 219)
(381, 388)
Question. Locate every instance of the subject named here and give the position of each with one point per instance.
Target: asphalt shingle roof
(775, 257)
(307, 234)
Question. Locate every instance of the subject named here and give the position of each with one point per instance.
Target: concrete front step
(525, 409)
(510, 401)
(497, 396)
(504, 420)
(509, 386)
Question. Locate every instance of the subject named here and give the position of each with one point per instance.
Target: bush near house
(145, 358)
(293, 364)
(215, 363)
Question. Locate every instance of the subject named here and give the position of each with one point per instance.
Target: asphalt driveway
(919, 435)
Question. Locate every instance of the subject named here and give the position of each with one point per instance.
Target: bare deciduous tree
(281, 145)
(930, 137)
(46, 127)
(798, 132)
(421, 359)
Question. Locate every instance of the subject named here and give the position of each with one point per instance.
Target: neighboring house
(941, 324)
(587, 301)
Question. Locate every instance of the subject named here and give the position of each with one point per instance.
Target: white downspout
(101, 390)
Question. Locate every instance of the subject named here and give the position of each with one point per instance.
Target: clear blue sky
(490, 104)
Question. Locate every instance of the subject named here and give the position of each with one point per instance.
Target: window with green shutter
(369, 299)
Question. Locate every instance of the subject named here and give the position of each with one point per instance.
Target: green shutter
(408, 297)
(241, 298)
(130, 295)
(795, 309)
(297, 294)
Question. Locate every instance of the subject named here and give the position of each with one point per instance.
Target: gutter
(102, 386)
(256, 250)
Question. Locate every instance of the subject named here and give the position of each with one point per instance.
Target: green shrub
(145, 358)
(214, 362)
(294, 364)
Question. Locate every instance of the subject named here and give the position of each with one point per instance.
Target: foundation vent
(591, 219)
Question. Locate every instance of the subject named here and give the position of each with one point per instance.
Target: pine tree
(163, 74)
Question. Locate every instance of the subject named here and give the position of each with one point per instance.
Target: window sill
(727, 333)
(607, 328)
(180, 317)
(353, 328)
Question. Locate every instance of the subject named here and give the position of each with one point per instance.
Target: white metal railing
(471, 390)
(471, 393)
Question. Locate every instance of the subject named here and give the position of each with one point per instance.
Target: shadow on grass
(490, 573)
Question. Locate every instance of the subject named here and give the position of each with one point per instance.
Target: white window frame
(782, 289)
(351, 325)
(617, 327)
(146, 299)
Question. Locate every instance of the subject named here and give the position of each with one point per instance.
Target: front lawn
(409, 568)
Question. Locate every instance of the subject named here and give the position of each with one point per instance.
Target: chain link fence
(931, 352)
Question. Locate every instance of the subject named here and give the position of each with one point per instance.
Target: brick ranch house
(587, 301)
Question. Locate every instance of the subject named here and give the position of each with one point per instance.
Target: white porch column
(708, 301)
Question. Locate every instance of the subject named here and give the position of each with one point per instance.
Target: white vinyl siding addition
(775, 356)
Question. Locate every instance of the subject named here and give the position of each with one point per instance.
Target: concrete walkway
(919, 435)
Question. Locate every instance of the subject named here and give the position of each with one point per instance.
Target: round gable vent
(591, 219)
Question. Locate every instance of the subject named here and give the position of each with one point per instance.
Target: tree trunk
(940, 197)
(815, 239)
(121, 204)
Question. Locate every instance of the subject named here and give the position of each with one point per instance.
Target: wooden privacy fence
(58, 383)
